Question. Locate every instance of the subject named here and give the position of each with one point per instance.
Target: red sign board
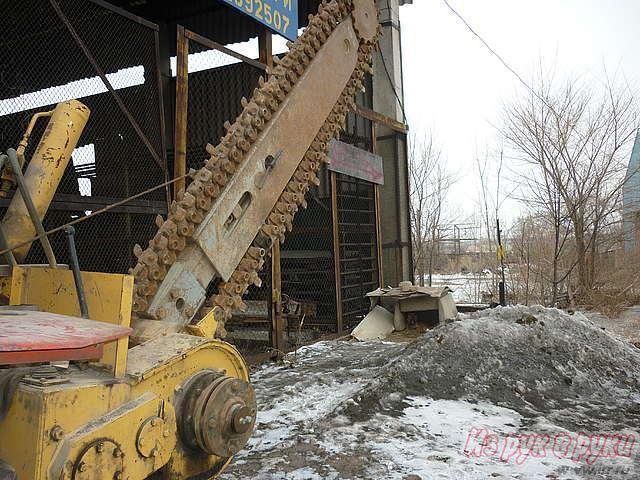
(355, 162)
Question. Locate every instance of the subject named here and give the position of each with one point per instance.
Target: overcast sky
(454, 87)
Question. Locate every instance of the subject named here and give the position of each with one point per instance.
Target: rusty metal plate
(365, 19)
(355, 162)
(287, 138)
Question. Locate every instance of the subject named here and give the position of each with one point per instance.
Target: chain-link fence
(217, 82)
(308, 277)
(76, 49)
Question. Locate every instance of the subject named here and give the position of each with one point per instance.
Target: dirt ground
(627, 324)
(557, 396)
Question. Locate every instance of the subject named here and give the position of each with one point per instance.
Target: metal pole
(277, 324)
(501, 285)
(75, 267)
(163, 127)
(33, 213)
(336, 250)
(265, 47)
(182, 103)
(11, 260)
(376, 193)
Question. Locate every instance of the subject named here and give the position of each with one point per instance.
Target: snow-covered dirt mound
(533, 360)
(515, 392)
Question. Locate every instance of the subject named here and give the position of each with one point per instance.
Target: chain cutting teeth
(190, 206)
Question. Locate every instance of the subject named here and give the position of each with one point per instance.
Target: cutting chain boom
(246, 195)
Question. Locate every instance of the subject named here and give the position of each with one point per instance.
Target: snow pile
(533, 360)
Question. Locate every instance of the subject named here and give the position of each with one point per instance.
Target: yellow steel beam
(44, 172)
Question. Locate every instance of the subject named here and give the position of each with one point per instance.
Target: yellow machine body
(53, 290)
(117, 418)
(44, 172)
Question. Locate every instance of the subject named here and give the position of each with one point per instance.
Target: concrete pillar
(387, 99)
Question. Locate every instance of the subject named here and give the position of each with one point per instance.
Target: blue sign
(281, 16)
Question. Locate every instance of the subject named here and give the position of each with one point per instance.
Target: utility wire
(97, 212)
(497, 55)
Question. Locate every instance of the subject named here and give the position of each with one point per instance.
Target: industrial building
(631, 200)
(160, 79)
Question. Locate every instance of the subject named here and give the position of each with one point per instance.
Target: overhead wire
(496, 54)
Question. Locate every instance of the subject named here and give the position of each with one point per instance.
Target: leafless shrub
(429, 182)
(573, 142)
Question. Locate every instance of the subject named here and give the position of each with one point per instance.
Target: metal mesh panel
(307, 270)
(358, 248)
(41, 64)
(217, 82)
(356, 231)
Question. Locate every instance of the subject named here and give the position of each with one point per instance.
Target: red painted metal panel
(27, 331)
(92, 352)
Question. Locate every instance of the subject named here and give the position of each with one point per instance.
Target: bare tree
(489, 172)
(430, 182)
(575, 139)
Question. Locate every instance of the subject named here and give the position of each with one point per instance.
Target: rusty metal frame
(265, 47)
(376, 117)
(125, 13)
(161, 161)
(216, 46)
(184, 36)
(399, 253)
(163, 126)
(399, 134)
(182, 101)
(277, 321)
(67, 202)
(336, 251)
(376, 194)
(408, 200)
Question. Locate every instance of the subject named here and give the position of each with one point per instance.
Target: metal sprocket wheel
(365, 20)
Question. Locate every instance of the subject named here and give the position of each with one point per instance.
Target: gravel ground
(520, 379)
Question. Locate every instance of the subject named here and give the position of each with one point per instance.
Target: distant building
(631, 200)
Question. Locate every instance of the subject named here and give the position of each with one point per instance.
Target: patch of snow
(467, 287)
